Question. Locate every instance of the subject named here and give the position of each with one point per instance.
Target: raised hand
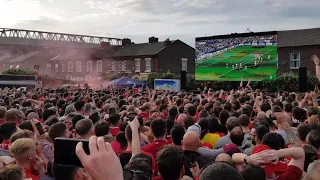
(102, 163)
(316, 60)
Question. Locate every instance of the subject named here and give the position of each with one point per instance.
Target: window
(89, 66)
(48, 67)
(113, 66)
(295, 61)
(56, 67)
(148, 64)
(137, 65)
(184, 64)
(70, 67)
(78, 66)
(62, 67)
(122, 65)
(99, 66)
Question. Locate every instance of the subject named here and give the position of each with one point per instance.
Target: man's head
(312, 111)
(257, 134)
(87, 108)
(223, 117)
(173, 111)
(84, 128)
(191, 141)
(188, 121)
(181, 118)
(236, 135)
(138, 168)
(58, 130)
(159, 128)
(48, 113)
(101, 128)
(244, 120)
(192, 110)
(12, 172)
(177, 133)
(33, 115)
(170, 162)
(76, 118)
(313, 138)
(14, 115)
(3, 112)
(7, 129)
(220, 171)
(303, 130)
(253, 172)
(265, 107)
(21, 134)
(273, 140)
(24, 150)
(114, 119)
(164, 109)
(79, 105)
(232, 122)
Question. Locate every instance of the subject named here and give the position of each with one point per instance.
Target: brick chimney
(126, 42)
(153, 39)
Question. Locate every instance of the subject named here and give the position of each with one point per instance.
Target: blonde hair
(313, 119)
(22, 146)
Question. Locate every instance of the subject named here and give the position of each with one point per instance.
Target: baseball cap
(230, 149)
(268, 167)
(196, 128)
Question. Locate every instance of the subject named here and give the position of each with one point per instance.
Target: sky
(173, 19)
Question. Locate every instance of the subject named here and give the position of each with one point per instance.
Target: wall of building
(170, 58)
(306, 52)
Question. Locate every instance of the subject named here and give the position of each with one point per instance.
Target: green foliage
(18, 72)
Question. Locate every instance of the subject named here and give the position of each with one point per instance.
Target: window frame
(148, 66)
(184, 67)
(99, 69)
(56, 67)
(89, 66)
(49, 67)
(135, 65)
(70, 66)
(298, 60)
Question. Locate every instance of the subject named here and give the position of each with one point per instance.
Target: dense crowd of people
(214, 45)
(140, 134)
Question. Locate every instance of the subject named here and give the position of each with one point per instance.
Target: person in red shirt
(159, 130)
(164, 111)
(24, 152)
(6, 131)
(114, 120)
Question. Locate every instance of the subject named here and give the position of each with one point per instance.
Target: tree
(18, 72)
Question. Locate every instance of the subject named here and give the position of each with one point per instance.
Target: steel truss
(42, 35)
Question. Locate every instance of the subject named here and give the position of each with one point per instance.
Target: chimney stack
(153, 39)
(167, 42)
(126, 41)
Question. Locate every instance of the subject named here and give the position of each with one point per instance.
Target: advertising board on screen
(167, 84)
(251, 56)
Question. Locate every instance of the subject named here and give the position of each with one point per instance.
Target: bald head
(223, 157)
(190, 141)
(181, 118)
(261, 115)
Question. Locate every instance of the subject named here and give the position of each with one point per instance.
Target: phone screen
(40, 128)
(65, 151)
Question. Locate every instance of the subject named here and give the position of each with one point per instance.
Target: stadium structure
(32, 50)
(237, 56)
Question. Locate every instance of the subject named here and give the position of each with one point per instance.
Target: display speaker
(303, 79)
(183, 79)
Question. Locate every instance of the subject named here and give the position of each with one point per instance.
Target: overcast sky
(174, 19)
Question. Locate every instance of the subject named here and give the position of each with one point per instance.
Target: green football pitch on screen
(256, 63)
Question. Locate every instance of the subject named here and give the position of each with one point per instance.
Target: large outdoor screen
(251, 56)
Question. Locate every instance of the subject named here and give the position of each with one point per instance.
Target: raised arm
(316, 61)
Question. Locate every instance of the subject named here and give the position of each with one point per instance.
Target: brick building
(295, 48)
